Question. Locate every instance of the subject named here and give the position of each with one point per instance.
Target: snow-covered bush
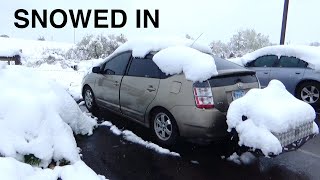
(95, 47)
(38, 118)
(269, 111)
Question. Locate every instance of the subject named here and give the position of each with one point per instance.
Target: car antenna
(196, 39)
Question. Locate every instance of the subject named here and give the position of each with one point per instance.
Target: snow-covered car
(176, 88)
(297, 67)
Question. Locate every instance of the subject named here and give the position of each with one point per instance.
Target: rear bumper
(291, 147)
(297, 144)
(200, 124)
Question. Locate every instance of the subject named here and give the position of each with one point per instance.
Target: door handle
(151, 88)
(298, 73)
(266, 73)
(116, 83)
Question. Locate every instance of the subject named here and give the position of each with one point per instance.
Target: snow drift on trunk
(269, 110)
(196, 66)
(38, 117)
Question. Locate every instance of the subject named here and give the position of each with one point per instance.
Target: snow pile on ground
(130, 136)
(11, 169)
(196, 66)
(9, 52)
(269, 110)
(309, 54)
(141, 47)
(245, 158)
(69, 79)
(32, 50)
(38, 119)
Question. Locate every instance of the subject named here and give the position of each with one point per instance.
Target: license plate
(238, 94)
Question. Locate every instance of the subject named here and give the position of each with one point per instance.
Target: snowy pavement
(113, 156)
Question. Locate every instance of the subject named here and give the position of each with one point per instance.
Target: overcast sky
(217, 19)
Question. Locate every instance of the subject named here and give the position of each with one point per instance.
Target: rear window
(223, 64)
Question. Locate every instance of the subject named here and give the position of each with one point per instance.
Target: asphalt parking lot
(116, 158)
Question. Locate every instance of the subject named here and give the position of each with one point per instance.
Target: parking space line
(309, 153)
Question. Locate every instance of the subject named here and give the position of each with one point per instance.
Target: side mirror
(96, 69)
(110, 72)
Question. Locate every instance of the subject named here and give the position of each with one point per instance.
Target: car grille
(296, 134)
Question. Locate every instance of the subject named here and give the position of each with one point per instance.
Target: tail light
(203, 95)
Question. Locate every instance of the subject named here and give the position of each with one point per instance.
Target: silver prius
(171, 106)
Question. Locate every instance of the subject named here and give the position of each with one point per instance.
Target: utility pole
(284, 22)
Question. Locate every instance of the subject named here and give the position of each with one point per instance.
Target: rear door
(108, 83)
(290, 71)
(262, 66)
(139, 87)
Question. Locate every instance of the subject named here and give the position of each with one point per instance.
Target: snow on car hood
(269, 110)
(196, 66)
(309, 54)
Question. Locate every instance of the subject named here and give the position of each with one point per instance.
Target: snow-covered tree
(248, 40)
(315, 44)
(94, 47)
(220, 48)
(41, 38)
(189, 37)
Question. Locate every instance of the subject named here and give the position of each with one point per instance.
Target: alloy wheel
(310, 94)
(88, 98)
(163, 126)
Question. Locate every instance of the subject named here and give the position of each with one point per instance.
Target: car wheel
(309, 92)
(89, 98)
(164, 127)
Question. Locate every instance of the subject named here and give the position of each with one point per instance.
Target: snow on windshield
(196, 66)
(309, 54)
(270, 110)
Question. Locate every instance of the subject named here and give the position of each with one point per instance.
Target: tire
(309, 92)
(89, 99)
(164, 127)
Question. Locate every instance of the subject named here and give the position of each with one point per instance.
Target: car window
(292, 62)
(264, 61)
(144, 68)
(117, 65)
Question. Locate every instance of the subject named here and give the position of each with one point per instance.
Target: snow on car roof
(141, 47)
(309, 54)
(174, 56)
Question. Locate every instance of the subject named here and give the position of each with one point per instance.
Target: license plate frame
(238, 94)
